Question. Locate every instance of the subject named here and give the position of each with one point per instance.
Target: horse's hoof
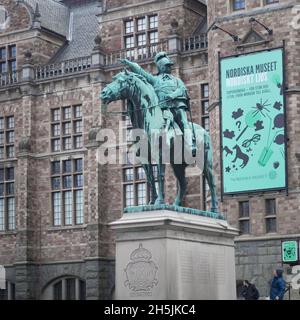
(177, 203)
(159, 202)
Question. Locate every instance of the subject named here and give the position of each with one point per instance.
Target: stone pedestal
(167, 255)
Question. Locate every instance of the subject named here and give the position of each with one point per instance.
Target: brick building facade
(56, 200)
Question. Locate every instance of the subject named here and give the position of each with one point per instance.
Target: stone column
(174, 43)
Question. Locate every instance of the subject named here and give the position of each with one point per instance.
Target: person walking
(278, 284)
(249, 291)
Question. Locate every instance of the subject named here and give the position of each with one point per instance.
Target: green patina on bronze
(169, 207)
(160, 103)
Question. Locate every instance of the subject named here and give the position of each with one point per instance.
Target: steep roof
(54, 15)
(84, 28)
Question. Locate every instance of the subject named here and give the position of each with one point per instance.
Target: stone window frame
(66, 288)
(58, 136)
(61, 189)
(135, 179)
(8, 199)
(136, 33)
(270, 215)
(8, 61)
(6, 129)
(204, 103)
(244, 217)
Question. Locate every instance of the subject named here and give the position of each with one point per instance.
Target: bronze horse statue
(144, 110)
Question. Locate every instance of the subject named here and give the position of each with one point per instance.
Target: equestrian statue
(159, 104)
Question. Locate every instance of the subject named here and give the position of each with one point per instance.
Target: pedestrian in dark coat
(249, 291)
(277, 286)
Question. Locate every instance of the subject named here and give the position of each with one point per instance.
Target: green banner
(253, 122)
(289, 251)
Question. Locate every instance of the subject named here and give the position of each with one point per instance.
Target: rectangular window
(8, 62)
(67, 143)
(64, 128)
(140, 32)
(244, 209)
(56, 183)
(141, 40)
(78, 126)
(77, 112)
(10, 137)
(129, 26)
(244, 214)
(270, 207)
(71, 290)
(2, 215)
(129, 42)
(205, 91)
(79, 206)
(78, 165)
(153, 22)
(128, 174)
(11, 213)
(67, 182)
(153, 37)
(2, 53)
(56, 205)
(67, 128)
(141, 24)
(78, 143)
(244, 226)
(67, 166)
(56, 145)
(78, 181)
(141, 174)
(1, 123)
(238, 5)
(55, 167)
(141, 194)
(67, 113)
(7, 200)
(55, 130)
(56, 115)
(67, 192)
(129, 195)
(271, 224)
(68, 207)
(10, 151)
(7, 137)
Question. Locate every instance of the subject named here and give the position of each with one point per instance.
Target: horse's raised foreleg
(179, 171)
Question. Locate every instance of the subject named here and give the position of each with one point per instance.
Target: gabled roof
(54, 15)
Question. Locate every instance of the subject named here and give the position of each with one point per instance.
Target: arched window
(66, 288)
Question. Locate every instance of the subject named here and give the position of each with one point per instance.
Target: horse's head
(116, 90)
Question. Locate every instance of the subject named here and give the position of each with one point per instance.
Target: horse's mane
(140, 77)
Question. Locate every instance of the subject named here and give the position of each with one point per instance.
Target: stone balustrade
(173, 44)
(9, 78)
(195, 43)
